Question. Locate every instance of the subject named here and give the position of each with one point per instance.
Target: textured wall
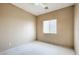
(16, 26)
(76, 28)
(65, 26)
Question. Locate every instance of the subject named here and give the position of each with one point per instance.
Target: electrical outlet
(10, 43)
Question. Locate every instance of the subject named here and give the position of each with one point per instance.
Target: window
(50, 26)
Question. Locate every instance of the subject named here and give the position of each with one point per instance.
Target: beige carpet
(38, 48)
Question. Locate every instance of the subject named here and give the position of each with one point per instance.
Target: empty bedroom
(39, 29)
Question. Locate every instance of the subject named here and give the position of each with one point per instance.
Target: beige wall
(76, 28)
(16, 26)
(65, 32)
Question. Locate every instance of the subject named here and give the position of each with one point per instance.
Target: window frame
(50, 32)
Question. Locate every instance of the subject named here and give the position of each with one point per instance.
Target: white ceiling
(38, 10)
